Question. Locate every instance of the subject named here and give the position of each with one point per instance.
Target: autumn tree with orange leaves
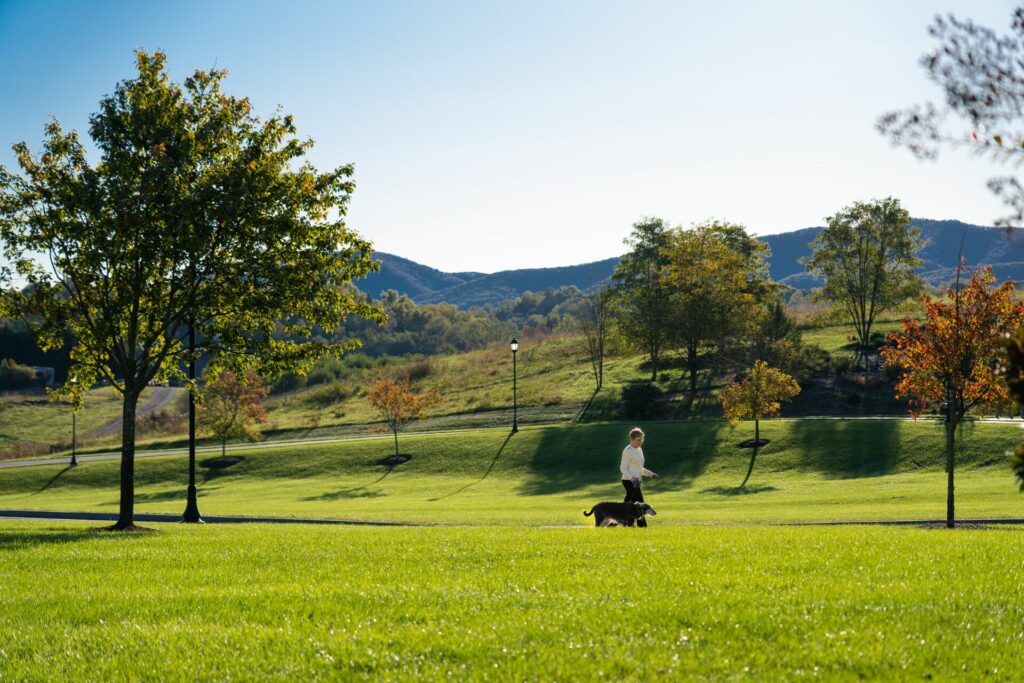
(233, 405)
(397, 404)
(950, 358)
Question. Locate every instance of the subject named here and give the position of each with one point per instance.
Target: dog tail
(587, 513)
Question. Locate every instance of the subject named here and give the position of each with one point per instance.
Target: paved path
(159, 398)
(57, 515)
(116, 455)
(111, 517)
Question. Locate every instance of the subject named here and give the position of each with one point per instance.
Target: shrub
(287, 382)
(840, 364)
(641, 400)
(419, 369)
(326, 370)
(15, 376)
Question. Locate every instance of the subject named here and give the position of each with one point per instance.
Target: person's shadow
(486, 473)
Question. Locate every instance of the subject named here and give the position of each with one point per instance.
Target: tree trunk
(126, 513)
(654, 366)
(757, 431)
(395, 432)
(950, 436)
(750, 467)
(691, 364)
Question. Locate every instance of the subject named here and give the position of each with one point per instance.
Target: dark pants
(634, 495)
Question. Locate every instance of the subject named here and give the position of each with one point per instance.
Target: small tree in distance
(398, 405)
(233, 405)
(757, 396)
(951, 358)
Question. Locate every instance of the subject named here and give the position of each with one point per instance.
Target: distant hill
(425, 285)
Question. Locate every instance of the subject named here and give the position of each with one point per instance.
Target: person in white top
(632, 468)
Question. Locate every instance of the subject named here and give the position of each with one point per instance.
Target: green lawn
(311, 603)
(813, 470)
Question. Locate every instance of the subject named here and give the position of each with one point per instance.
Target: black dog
(621, 514)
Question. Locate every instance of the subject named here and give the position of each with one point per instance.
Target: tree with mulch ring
(757, 396)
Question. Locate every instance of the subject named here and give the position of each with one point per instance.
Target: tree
(594, 321)
(950, 358)
(232, 406)
(713, 288)
(757, 396)
(982, 80)
(640, 287)
(867, 255)
(196, 215)
(398, 405)
(1013, 370)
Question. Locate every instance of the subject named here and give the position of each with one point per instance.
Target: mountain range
(426, 285)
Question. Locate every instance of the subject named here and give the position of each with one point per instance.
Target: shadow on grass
(847, 448)
(14, 540)
(53, 479)
(169, 494)
(357, 492)
(739, 490)
(485, 474)
(573, 458)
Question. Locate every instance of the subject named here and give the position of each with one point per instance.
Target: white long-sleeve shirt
(632, 466)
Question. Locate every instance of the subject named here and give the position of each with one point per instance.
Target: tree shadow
(170, 494)
(485, 474)
(573, 458)
(739, 490)
(54, 479)
(582, 414)
(846, 448)
(357, 492)
(13, 540)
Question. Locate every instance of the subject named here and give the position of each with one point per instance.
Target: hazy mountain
(428, 285)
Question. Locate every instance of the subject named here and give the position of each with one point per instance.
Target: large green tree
(641, 290)
(716, 280)
(194, 212)
(867, 255)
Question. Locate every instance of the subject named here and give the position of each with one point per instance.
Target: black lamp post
(192, 505)
(74, 431)
(515, 400)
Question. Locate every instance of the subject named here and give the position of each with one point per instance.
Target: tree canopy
(196, 213)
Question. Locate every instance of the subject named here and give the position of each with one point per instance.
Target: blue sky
(491, 135)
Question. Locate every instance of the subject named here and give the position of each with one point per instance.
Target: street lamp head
(73, 380)
(514, 345)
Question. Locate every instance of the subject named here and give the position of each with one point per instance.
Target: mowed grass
(813, 470)
(312, 603)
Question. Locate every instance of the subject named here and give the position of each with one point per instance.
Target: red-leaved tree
(950, 358)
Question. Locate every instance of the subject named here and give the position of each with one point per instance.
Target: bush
(326, 370)
(841, 364)
(287, 382)
(419, 369)
(15, 376)
(641, 401)
(891, 372)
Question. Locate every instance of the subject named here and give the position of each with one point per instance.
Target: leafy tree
(232, 406)
(594, 322)
(640, 288)
(950, 359)
(1013, 370)
(982, 80)
(713, 288)
(197, 214)
(398, 405)
(867, 255)
(757, 396)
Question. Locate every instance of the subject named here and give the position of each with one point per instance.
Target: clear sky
(489, 135)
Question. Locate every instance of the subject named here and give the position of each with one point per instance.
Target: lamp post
(514, 345)
(74, 431)
(192, 505)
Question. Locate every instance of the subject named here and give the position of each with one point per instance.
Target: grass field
(813, 470)
(314, 603)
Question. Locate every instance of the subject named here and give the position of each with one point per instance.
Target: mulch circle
(393, 460)
(752, 443)
(958, 525)
(221, 462)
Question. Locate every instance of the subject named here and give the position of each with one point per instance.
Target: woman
(632, 468)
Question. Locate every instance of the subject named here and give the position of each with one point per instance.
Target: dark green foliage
(641, 400)
(15, 376)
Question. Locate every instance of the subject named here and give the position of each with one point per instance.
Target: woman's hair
(635, 432)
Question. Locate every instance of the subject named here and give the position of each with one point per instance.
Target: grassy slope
(813, 470)
(310, 603)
